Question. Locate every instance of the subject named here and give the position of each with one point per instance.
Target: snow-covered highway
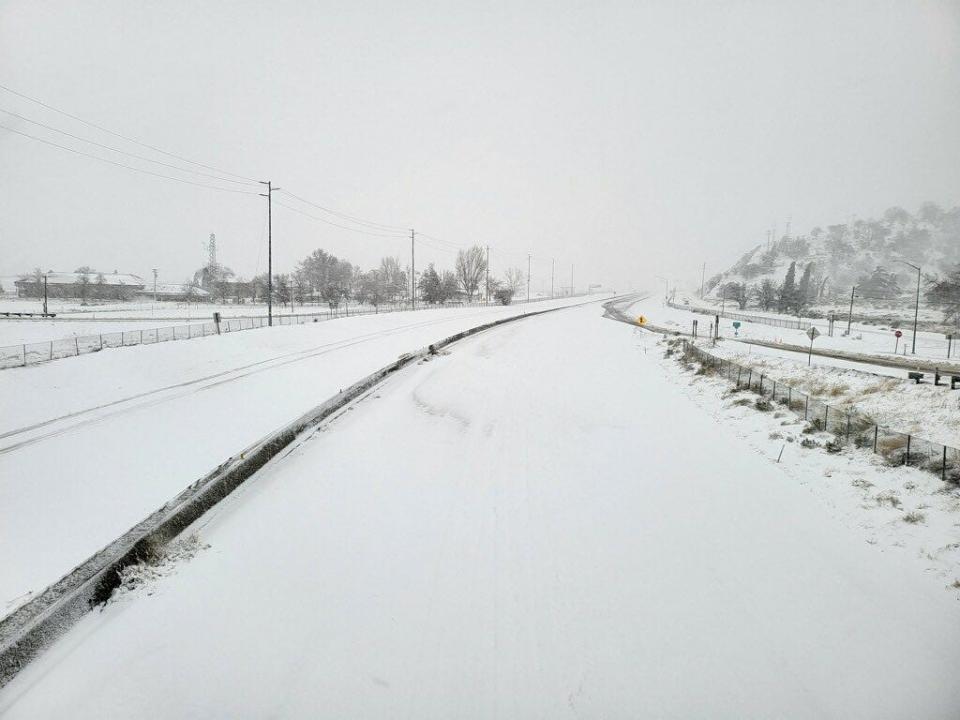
(91, 445)
(537, 524)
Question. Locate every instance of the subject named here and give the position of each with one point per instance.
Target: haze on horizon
(626, 139)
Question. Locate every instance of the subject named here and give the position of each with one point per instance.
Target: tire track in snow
(219, 378)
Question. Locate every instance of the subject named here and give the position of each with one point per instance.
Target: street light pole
(916, 309)
(528, 277)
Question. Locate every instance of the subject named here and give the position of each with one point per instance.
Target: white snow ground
(884, 394)
(542, 523)
(91, 445)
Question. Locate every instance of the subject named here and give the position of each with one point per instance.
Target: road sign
(898, 334)
(813, 334)
(736, 324)
(641, 320)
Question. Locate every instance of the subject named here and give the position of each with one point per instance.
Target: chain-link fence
(846, 426)
(36, 352)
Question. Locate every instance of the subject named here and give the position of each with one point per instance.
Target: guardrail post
(909, 438)
(51, 350)
(876, 433)
(24, 355)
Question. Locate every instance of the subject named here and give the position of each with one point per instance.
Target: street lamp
(916, 311)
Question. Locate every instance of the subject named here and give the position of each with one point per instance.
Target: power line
(442, 241)
(128, 167)
(123, 137)
(345, 216)
(123, 152)
(328, 222)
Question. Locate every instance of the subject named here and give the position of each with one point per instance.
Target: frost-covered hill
(844, 255)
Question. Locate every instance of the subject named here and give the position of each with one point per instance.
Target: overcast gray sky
(629, 139)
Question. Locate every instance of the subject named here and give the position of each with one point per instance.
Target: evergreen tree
(788, 290)
(431, 285)
(804, 290)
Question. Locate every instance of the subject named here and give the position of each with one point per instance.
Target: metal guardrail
(847, 426)
(797, 323)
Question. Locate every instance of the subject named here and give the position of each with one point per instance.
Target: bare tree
(514, 279)
(470, 267)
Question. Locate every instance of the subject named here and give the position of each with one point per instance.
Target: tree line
(323, 278)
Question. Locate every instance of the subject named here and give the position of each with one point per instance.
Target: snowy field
(74, 321)
(553, 523)
(146, 309)
(91, 445)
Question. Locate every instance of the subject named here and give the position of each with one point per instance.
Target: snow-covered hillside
(848, 254)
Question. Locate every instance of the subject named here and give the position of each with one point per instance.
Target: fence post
(141, 337)
(76, 345)
(943, 471)
(826, 416)
(24, 354)
(806, 406)
(876, 432)
(739, 371)
(909, 438)
(848, 428)
(51, 350)
(101, 341)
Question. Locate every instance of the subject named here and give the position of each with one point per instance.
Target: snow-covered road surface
(538, 524)
(92, 445)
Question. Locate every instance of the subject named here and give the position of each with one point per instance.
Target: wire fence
(36, 352)
(847, 426)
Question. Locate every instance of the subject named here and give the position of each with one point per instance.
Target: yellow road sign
(641, 320)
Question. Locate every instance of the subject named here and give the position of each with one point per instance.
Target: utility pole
(269, 196)
(488, 275)
(553, 264)
(413, 273)
(528, 277)
(853, 292)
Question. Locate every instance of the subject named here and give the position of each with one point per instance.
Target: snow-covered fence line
(847, 426)
(36, 352)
